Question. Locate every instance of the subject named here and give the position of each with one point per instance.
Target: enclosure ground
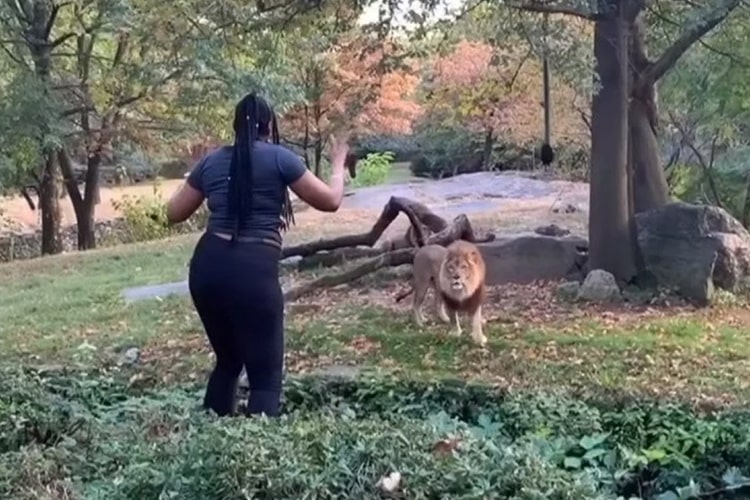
(66, 310)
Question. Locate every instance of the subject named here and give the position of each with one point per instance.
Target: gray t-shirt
(274, 168)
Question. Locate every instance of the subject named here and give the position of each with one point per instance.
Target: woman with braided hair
(234, 271)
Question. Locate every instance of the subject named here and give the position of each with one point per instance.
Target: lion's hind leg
(420, 292)
(440, 305)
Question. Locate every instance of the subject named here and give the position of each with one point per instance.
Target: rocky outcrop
(532, 257)
(694, 248)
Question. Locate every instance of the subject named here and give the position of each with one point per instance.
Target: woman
(234, 272)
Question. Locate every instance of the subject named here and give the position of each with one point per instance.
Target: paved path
(155, 291)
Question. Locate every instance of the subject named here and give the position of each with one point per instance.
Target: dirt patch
(17, 211)
(512, 200)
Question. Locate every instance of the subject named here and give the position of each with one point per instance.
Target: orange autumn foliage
(345, 89)
(499, 90)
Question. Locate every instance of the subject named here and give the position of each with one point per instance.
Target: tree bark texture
(40, 47)
(83, 204)
(489, 142)
(611, 245)
(49, 205)
(650, 188)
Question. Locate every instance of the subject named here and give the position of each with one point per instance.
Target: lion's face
(463, 271)
(459, 272)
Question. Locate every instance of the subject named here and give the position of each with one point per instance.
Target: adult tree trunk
(489, 141)
(49, 205)
(318, 154)
(83, 204)
(40, 47)
(611, 246)
(86, 220)
(650, 188)
(306, 140)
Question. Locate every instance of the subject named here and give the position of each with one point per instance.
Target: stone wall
(20, 246)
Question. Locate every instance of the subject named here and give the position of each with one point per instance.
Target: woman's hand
(339, 150)
(314, 191)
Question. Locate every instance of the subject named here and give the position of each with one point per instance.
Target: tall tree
(28, 40)
(489, 91)
(351, 82)
(111, 66)
(621, 187)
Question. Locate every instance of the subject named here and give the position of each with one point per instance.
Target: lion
(461, 281)
(425, 270)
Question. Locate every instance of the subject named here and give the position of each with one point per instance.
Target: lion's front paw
(479, 339)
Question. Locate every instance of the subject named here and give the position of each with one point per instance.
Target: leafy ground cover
(582, 401)
(70, 435)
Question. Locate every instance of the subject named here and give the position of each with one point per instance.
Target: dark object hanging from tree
(547, 154)
(351, 164)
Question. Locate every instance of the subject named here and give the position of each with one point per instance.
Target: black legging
(236, 290)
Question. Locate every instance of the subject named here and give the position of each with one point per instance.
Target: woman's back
(274, 167)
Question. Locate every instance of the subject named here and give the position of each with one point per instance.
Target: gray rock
(552, 230)
(533, 257)
(599, 286)
(693, 248)
(568, 291)
(130, 356)
(339, 371)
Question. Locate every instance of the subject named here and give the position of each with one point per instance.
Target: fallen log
(460, 229)
(419, 216)
(337, 257)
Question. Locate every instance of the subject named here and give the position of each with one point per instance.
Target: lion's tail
(403, 295)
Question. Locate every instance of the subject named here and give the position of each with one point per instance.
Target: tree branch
(670, 56)
(707, 167)
(66, 165)
(553, 8)
(61, 40)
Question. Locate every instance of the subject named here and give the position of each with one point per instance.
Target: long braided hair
(253, 118)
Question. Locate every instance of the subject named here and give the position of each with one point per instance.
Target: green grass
(401, 174)
(68, 310)
(91, 428)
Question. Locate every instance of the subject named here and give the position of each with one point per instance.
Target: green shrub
(30, 413)
(146, 217)
(373, 169)
(337, 437)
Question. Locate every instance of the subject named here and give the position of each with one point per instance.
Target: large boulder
(694, 248)
(532, 257)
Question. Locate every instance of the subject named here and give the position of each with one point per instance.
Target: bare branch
(553, 8)
(14, 57)
(61, 40)
(707, 167)
(710, 47)
(670, 56)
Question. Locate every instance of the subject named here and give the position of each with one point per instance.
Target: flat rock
(529, 257)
